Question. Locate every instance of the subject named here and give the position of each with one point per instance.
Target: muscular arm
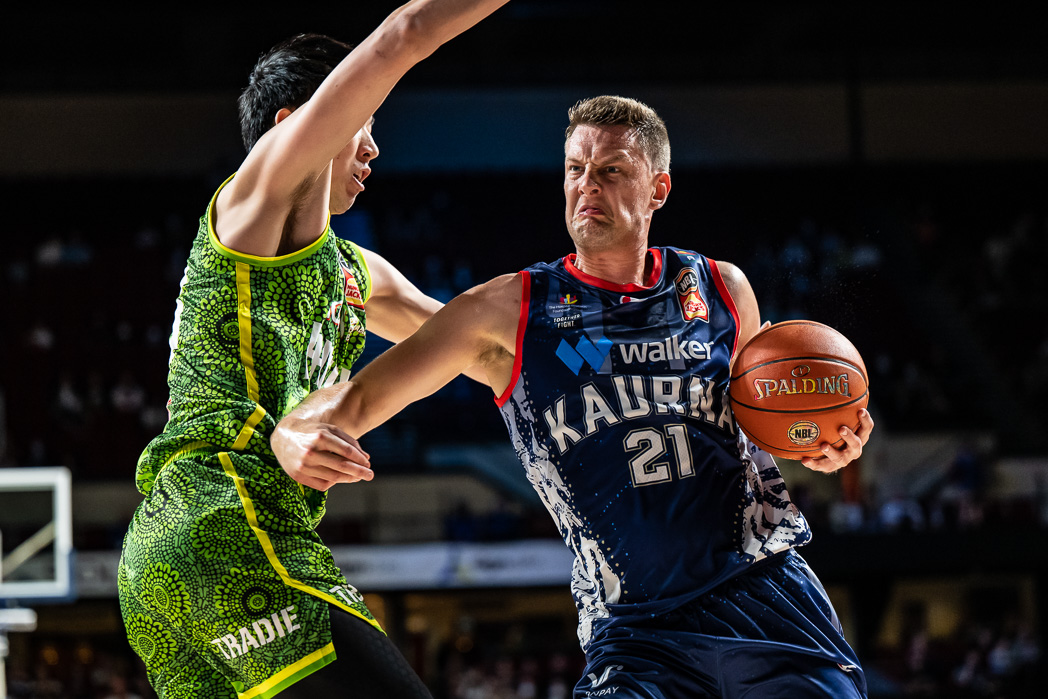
(745, 303)
(397, 308)
(257, 206)
(750, 325)
(314, 443)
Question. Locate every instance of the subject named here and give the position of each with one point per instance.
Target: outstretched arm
(749, 322)
(314, 443)
(397, 308)
(255, 208)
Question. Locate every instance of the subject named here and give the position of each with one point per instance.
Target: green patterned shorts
(225, 589)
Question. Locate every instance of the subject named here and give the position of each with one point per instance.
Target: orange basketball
(794, 385)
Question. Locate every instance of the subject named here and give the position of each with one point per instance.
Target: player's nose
(368, 149)
(588, 183)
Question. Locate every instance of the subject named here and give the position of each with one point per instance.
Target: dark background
(931, 261)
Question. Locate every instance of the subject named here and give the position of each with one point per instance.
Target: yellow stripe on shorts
(291, 674)
(271, 554)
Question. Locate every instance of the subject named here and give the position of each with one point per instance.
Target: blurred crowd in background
(933, 275)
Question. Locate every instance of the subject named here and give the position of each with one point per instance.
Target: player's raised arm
(476, 329)
(253, 212)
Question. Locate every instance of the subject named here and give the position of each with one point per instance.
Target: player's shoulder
(505, 288)
(731, 273)
(490, 302)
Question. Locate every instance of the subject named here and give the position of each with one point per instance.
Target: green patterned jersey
(252, 337)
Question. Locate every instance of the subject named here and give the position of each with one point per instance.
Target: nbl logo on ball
(803, 433)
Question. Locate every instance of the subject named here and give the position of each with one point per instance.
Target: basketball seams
(835, 406)
(798, 451)
(829, 360)
(814, 350)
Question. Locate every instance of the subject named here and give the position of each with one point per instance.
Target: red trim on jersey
(718, 280)
(652, 280)
(522, 325)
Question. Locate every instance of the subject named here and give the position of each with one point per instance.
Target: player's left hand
(834, 459)
(319, 455)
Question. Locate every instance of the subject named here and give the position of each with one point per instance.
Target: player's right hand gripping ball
(794, 385)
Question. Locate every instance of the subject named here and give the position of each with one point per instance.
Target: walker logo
(260, 633)
(692, 305)
(668, 350)
(568, 299)
(584, 351)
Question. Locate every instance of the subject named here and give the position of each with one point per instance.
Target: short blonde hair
(612, 110)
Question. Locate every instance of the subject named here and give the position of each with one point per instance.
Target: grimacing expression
(610, 186)
(350, 168)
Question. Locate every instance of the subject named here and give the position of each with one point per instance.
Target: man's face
(610, 187)
(350, 168)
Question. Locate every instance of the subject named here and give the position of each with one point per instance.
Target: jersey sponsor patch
(352, 290)
(592, 353)
(692, 305)
(567, 312)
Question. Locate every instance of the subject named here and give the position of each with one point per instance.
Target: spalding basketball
(794, 385)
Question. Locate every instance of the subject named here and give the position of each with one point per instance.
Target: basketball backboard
(36, 534)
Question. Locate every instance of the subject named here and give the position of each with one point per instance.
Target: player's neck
(622, 266)
(308, 218)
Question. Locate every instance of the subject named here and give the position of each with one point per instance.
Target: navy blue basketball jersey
(618, 410)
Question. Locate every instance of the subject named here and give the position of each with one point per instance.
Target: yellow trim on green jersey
(258, 260)
(249, 428)
(267, 545)
(243, 276)
(291, 674)
(363, 263)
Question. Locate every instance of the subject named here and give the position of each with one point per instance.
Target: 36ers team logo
(692, 305)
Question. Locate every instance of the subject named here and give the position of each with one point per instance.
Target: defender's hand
(319, 455)
(836, 459)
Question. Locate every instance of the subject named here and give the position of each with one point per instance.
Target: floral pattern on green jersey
(213, 580)
(320, 558)
(286, 513)
(165, 592)
(181, 489)
(158, 515)
(253, 670)
(151, 640)
(244, 595)
(193, 569)
(193, 689)
(202, 628)
(307, 328)
(221, 534)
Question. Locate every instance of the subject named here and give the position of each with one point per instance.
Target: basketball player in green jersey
(225, 588)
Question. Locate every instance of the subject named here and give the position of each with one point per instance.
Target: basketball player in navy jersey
(611, 369)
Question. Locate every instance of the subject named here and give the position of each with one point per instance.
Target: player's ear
(661, 190)
(281, 115)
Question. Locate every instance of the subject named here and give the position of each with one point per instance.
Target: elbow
(410, 33)
(353, 412)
